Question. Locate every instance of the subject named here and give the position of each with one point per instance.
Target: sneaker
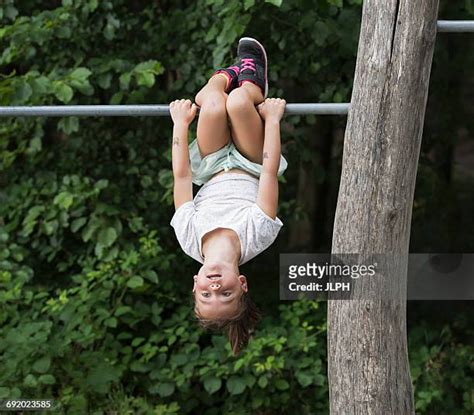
(253, 63)
(232, 73)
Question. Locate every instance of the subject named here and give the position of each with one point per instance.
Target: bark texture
(368, 359)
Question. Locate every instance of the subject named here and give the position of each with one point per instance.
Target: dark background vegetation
(94, 290)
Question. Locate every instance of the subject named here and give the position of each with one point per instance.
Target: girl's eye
(205, 295)
(227, 294)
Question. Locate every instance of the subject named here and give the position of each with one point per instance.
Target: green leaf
(122, 310)
(47, 379)
(146, 181)
(248, 4)
(112, 254)
(63, 92)
(22, 93)
(319, 379)
(263, 382)
(105, 80)
(64, 200)
(30, 381)
(165, 389)
(304, 379)
(107, 236)
(249, 380)
(152, 276)
(145, 79)
(125, 80)
(99, 250)
(80, 73)
(84, 88)
(89, 230)
(150, 65)
(35, 145)
(101, 184)
(111, 322)
(282, 384)
(33, 213)
(42, 365)
(212, 384)
(235, 385)
(238, 364)
(93, 4)
(78, 224)
(274, 2)
(135, 282)
(41, 85)
(11, 12)
(116, 98)
(69, 124)
(137, 341)
(178, 359)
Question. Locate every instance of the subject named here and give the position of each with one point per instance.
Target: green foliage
(442, 367)
(92, 281)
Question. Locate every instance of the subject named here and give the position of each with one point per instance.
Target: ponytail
(238, 329)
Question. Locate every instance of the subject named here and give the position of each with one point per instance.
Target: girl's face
(217, 290)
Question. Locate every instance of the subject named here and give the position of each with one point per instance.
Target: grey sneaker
(253, 63)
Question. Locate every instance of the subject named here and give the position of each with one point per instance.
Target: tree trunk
(368, 360)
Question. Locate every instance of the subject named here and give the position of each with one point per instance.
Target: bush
(94, 310)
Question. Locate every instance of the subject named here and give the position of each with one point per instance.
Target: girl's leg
(247, 127)
(213, 130)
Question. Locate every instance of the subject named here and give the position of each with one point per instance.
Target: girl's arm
(271, 111)
(182, 113)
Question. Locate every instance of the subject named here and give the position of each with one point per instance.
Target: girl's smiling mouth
(214, 276)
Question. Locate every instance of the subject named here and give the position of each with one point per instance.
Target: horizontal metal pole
(455, 25)
(321, 109)
(146, 110)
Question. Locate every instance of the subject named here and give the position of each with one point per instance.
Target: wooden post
(367, 343)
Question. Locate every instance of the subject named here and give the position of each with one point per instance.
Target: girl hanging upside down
(236, 158)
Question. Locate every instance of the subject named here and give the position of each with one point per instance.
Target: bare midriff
(234, 171)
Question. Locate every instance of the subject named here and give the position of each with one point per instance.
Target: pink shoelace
(247, 63)
(236, 69)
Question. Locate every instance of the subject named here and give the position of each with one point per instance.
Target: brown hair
(238, 328)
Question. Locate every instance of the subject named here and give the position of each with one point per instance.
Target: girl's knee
(213, 103)
(209, 95)
(238, 100)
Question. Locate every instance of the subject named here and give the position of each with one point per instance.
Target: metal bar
(85, 110)
(146, 110)
(321, 109)
(455, 25)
